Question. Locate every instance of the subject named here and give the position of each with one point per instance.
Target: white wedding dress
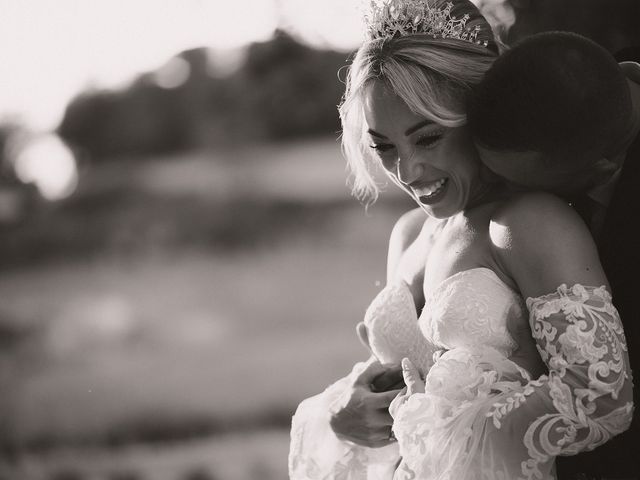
(481, 416)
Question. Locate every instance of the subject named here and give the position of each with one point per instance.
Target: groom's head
(550, 111)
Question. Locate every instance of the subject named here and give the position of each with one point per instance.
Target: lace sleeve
(589, 387)
(514, 429)
(587, 397)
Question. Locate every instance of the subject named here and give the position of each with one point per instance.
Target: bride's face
(437, 166)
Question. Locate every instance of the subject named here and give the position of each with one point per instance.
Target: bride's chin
(438, 213)
(443, 209)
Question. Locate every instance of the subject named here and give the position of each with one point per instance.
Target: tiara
(397, 18)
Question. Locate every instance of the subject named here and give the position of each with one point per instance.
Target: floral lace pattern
(441, 433)
(482, 418)
(392, 327)
(472, 307)
(580, 337)
(469, 308)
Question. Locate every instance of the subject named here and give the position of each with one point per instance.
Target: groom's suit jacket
(619, 248)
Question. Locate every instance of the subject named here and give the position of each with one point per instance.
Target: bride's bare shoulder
(405, 232)
(408, 227)
(541, 240)
(535, 213)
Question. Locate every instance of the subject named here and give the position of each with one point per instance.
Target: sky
(50, 50)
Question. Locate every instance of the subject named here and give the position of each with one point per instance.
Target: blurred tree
(298, 89)
(142, 119)
(284, 90)
(17, 199)
(8, 132)
(87, 121)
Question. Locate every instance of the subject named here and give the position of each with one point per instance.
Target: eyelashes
(426, 141)
(429, 140)
(381, 147)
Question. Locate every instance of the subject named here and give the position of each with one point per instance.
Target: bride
(460, 267)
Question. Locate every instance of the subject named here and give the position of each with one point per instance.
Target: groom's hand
(361, 415)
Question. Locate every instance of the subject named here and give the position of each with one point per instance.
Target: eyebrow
(409, 130)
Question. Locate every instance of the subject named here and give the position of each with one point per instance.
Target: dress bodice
(472, 307)
(468, 309)
(486, 413)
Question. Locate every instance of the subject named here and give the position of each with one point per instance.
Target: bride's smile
(436, 165)
(504, 365)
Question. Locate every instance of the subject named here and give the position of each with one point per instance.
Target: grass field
(260, 455)
(176, 341)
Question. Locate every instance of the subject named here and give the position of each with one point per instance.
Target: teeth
(430, 189)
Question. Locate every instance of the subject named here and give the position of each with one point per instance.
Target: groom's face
(537, 171)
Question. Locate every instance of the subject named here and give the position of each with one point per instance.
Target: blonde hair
(431, 75)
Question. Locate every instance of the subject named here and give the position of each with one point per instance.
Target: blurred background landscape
(181, 262)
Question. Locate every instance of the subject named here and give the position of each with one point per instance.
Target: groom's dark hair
(554, 93)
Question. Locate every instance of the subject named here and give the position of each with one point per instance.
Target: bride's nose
(410, 167)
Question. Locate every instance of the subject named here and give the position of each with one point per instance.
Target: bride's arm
(587, 396)
(404, 233)
(517, 428)
(361, 415)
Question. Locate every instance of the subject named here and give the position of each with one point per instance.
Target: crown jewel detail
(388, 19)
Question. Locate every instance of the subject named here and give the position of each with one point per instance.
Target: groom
(557, 113)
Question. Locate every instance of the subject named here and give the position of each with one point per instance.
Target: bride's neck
(491, 188)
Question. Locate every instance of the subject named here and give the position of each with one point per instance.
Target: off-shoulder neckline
(440, 285)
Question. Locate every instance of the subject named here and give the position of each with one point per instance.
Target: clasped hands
(362, 413)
